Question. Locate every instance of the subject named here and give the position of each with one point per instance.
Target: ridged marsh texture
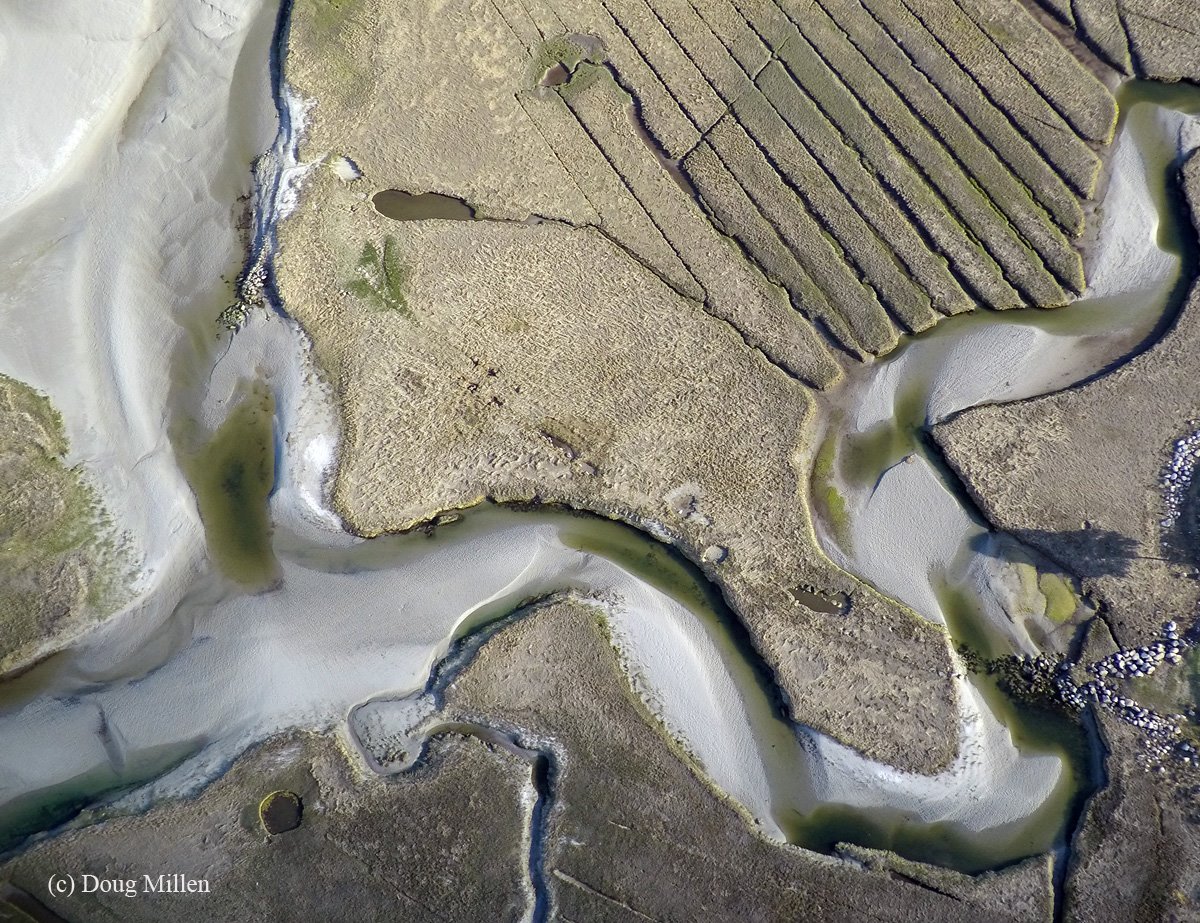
(880, 164)
(678, 201)
(1149, 38)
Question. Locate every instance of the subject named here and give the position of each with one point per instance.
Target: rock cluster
(252, 282)
(1163, 734)
(1177, 477)
(251, 286)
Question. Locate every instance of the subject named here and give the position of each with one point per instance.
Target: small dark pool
(406, 206)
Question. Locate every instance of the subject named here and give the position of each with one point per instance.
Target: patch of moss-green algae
(380, 278)
(59, 561)
(232, 476)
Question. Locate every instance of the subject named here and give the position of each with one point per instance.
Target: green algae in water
(1061, 601)
(280, 812)
(658, 564)
(1182, 97)
(232, 477)
(829, 501)
(820, 827)
(1033, 728)
(966, 625)
(1137, 102)
(865, 456)
(563, 55)
(943, 844)
(84, 794)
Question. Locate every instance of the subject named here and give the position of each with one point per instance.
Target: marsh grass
(59, 554)
(831, 505)
(381, 279)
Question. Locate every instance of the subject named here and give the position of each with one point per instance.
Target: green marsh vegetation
(565, 51)
(327, 37)
(381, 280)
(59, 556)
(831, 505)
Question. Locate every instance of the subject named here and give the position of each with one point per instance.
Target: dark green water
(47, 808)
(863, 457)
(1132, 322)
(821, 827)
(232, 476)
(405, 206)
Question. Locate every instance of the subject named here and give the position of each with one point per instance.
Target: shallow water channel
(146, 709)
(890, 511)
(353, 623)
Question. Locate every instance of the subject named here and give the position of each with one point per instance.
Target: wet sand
(174, 688)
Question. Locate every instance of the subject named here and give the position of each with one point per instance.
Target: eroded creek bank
(352, 635)
(889, 510)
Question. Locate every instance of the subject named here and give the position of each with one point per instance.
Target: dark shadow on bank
(1090, 552)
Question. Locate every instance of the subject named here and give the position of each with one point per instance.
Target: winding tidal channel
(335, 632)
